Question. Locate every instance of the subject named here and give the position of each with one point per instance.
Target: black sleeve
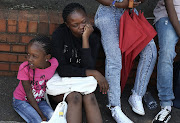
(64, 69)
(89, 55)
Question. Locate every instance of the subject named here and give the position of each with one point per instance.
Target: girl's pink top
(41, 76)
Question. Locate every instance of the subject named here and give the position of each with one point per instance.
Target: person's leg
(92, 110)
(107, 20)
(26, 111)
(167, 38)
(46, 109)
(74, 112)
(144, 70)
(167, 42)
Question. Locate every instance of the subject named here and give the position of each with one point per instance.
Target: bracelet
(113, 3)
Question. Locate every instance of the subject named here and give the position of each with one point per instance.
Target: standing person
(75, 45)
(167, 13)
(28, 97)
(107, 20)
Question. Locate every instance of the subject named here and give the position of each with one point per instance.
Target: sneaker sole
(135, 110)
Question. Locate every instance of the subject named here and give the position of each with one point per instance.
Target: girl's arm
(123, 4)
(30, 97)
(172, 15)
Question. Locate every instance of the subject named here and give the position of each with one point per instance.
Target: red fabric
(135, 33)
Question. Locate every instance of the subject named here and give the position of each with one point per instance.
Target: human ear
(48, 57)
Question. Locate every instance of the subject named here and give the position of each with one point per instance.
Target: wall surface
(22, 20)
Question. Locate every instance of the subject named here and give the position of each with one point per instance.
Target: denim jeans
(167, 41)
(29, 114)
(107, 20)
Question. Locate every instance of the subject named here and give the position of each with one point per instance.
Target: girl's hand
(88, 29)
(103, 84)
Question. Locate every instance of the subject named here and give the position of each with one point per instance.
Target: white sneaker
(119, 116)
(136, 103)
(163, 116)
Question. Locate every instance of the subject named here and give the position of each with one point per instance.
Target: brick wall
(17, 27)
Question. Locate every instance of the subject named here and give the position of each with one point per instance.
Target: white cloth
(57, 85)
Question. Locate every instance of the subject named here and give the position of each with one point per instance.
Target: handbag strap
(65, 95)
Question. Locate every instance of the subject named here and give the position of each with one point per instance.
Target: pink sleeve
(23, 73)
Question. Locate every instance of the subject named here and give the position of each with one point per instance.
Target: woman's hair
(44, 42)
(71, 8)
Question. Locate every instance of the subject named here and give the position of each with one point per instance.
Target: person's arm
(65, 69)
(102, 82)
(30, 98)
(89, 55)
(172, 15)
(123, 4)
(88, 29)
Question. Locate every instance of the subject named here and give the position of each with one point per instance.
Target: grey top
(160, 10)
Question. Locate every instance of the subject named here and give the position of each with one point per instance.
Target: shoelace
(162, 114)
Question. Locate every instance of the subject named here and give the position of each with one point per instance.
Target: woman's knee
(90, 99)
(74, 98)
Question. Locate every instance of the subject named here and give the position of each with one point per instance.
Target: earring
(46, 60)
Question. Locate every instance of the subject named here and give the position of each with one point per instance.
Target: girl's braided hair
(44, 42)
(71, 8)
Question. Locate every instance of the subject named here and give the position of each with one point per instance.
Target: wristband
(113, 3)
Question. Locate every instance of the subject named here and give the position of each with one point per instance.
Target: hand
(88, 29)
(103, 84)
(135, 4)
(44, 118)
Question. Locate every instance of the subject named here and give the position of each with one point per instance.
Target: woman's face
(76, 22)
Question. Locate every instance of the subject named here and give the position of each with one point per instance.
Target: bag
(176, 85)
(59, 115)
(57, 85)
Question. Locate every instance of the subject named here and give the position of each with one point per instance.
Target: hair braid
(71, 8)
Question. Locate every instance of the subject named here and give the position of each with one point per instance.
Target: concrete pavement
(8, 115)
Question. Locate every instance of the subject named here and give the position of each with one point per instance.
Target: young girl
(75, 45)
(107, 20)
(28, 100)
(167, 19)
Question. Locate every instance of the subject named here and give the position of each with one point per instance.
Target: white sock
(167, 107)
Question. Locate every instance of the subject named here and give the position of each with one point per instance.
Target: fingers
(104, 87)
(136, 4)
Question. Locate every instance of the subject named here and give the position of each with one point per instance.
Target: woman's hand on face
(103, 84)
(88, 29)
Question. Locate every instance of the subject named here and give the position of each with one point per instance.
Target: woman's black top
(73, 59)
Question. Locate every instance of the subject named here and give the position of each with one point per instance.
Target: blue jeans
(107, 20)
(29, 114)
(167, 41)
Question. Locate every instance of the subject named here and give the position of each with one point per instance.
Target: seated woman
(75, 45)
